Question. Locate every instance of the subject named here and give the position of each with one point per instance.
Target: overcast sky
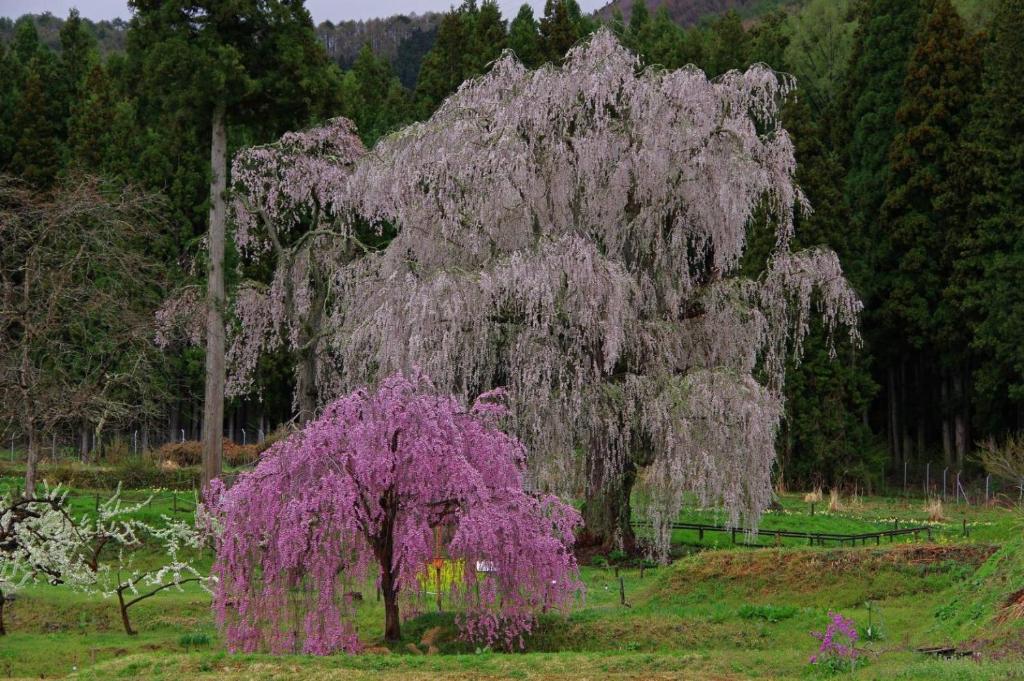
(335, 10)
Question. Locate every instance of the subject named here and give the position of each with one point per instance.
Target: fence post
(182, 434)
(904, 477)
(958, 489)
(243, 437)
(927, 479)
(944, 471)
(622, 591)
(135, 442)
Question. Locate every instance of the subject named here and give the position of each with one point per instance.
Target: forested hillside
(908, 126)
(690, 12)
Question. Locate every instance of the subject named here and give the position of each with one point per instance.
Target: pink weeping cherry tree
(358, 493)
(574, 234)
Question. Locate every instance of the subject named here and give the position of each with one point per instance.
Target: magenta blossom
(838, 640)
(364, 491)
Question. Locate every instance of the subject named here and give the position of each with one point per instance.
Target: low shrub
(934, 510)
(188, 641)
(134, 473)
(190, 453)
(768, 613)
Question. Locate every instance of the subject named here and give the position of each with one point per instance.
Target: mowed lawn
(718, 613)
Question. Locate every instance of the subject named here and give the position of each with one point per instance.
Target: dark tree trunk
(124, 614)
(32, 462)
(389, 591)
(83, 441)
(213, 403)
(3, 597)
(607, 513)
(305, 385)
(894, 420)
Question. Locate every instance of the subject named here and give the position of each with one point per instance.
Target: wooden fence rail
(813, 538)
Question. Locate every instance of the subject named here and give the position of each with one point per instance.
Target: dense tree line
(909, 135)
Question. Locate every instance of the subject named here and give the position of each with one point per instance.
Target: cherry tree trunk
(32, 462)
(124, 614)
(389, 589)
(213, 405)
(305, 386)
(607, 511)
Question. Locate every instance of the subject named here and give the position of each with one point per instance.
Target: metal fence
(73, 446)
(952, 485)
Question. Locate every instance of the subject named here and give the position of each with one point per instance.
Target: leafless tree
(78, 290)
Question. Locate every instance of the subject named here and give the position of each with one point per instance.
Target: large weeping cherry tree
(572, 234)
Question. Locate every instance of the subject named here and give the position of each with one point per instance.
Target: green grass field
(720, 612)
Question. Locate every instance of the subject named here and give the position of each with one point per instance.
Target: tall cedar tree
(883, 43)
(524, 38)
(991, 272)
(447, 63)
(373, 96)
(560, 28)
(251, 62)
(728, 45)
(923, 213)
(36, 126)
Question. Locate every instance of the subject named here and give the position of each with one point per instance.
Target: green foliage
(194, 640)
(882, 47)
(923, 207)
(373, 98)
(729, 45)
(560, 28)
(524, 38)
(768, 613)
(993, 254)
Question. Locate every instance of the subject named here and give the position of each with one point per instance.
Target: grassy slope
(685, 621)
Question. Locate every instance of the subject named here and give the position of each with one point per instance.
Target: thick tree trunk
(305, 386)
(32, 462)
(947, 428)
(389, 592)
(213, 404)
(607, 513)
(908, 440)
(961, 437)
(83, 441)
(385, 552)
(894, 420)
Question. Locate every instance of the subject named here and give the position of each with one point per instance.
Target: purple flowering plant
(837, 648)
